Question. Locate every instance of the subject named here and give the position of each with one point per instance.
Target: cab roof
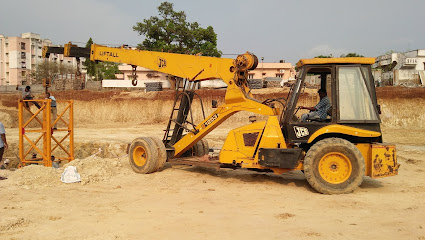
(347, 60)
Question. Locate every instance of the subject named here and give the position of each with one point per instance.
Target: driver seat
(328, 117)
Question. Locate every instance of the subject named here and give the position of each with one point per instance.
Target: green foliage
(108, 70)
(171, 33)
(343, 55)
(90, 66)
(353, 55)
(101, 70)
(323, 56)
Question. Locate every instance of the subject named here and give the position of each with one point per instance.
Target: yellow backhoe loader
(335, 153)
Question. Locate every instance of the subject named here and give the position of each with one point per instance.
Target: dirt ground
(181, 202)
(113, 202)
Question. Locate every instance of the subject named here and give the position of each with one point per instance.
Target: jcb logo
(161, 62)
(211, 119)
(301, 131)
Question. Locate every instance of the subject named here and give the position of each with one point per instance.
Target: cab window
(315, 79)
(355, 103)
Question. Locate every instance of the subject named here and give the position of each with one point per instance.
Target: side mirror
(214, 103)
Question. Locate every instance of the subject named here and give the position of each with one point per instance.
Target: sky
(273, 29)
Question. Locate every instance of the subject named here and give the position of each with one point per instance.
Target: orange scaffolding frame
(43, 117)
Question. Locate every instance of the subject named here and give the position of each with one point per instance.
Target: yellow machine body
(241, 145)
(380, 159)
(341, 129)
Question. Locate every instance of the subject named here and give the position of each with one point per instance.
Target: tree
(108, 70)
(170, 32)
(353, 55)
(89, 65)
(324, 56)
(342, 55)
(49, 70)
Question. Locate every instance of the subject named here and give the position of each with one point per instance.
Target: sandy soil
(113, 202)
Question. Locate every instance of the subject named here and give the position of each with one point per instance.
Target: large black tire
(206, 146)
(334, 166)
(143, 155)
(162, 154)
(200, 149)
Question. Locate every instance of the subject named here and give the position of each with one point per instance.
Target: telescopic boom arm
(233, 72)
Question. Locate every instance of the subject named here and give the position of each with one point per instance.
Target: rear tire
(143, 155)
(200, 148)
(162, 154)
(334, 166)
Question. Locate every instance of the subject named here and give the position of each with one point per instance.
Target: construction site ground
(113, 202)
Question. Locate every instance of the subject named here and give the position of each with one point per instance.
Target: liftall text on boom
(108, 54)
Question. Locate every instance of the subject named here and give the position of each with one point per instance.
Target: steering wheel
(294, 117)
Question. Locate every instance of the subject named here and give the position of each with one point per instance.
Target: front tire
(334, 166)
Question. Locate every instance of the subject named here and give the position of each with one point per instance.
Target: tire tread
(333, 143)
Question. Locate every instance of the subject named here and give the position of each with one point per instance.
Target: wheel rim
(335, 167)
(139, 156)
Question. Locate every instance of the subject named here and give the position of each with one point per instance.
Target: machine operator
(320, 111)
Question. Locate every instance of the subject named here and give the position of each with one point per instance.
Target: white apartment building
(20, 55)
(402, 67)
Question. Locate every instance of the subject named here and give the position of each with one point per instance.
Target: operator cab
(350, 88)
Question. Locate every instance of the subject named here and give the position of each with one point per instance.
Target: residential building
(15, 55)
(144, 75)
(36, 47)
(141, 73)
(265, 70)
(20, 55)
(401, 68)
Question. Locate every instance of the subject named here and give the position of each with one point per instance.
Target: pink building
(280, 70)
(141, 72)
(15, 57)
(20, 55)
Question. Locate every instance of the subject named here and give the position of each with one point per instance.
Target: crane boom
(185, 66)
(191, 67)
(233, 72)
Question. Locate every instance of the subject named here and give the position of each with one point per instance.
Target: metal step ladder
(178, 121)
